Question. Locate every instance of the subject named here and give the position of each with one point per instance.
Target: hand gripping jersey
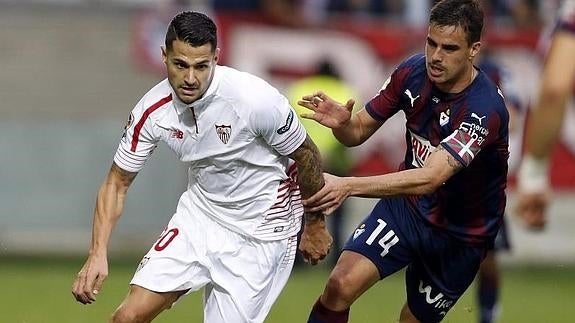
(235, 140)
(473, 127)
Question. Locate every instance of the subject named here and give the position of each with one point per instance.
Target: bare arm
(316, 240)
(557, 81)
(438, 168)
(109, 206)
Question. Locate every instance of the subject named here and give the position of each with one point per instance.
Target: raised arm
(438, 168)
(316, 240)
(109, 206)
(351, 129)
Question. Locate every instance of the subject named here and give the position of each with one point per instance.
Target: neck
(470, 75)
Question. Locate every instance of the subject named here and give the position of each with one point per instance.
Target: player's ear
(216, 55)
(474, 50)
(164, 55)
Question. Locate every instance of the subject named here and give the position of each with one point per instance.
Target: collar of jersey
(201, 102)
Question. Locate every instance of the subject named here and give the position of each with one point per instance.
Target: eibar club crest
(224, 132)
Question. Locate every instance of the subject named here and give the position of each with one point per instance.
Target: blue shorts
(502, 242)
(439, 268)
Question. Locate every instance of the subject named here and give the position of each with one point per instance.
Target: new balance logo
(473, 115)
(174, 133)
(410, 96)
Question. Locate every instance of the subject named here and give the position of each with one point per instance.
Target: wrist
(314, 217)
(533, 175)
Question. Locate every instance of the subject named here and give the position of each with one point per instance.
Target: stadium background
(70, 72)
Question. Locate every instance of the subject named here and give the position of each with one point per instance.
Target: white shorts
(242, 276)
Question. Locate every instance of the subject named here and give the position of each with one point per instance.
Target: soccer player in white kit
(234, 232)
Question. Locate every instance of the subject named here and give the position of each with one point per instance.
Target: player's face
(449, 57)
(190, 69)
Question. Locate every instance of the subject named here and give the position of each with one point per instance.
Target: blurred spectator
(336, 157)
(290, 13)
(150, 30)
(366, 7)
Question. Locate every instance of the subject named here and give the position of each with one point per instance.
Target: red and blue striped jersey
(472, 125)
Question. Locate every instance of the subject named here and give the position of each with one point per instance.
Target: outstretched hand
(326, 111)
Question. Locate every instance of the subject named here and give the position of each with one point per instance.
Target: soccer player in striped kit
(439, 214)
(234, 232)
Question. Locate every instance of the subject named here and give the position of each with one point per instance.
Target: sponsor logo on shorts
(438, 301)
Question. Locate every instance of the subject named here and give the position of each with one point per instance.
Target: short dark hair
(192, 27)
(467, 14)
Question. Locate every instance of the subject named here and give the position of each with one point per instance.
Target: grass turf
(37, 290)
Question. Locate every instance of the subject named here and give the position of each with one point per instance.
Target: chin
(187, 99)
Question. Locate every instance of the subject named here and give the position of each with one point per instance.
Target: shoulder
(245, 90)
(485, 97)
(416, 61)
(412, 69)
(156, 101)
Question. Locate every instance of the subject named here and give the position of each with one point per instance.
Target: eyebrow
(444, 46)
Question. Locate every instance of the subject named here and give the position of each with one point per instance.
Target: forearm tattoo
(310, 173)
(451, 161)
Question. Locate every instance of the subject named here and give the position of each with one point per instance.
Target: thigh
(177, 259)
(438, 278)
(248, 276)
(143, 305)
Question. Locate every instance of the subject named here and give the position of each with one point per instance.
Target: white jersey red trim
(236, 139)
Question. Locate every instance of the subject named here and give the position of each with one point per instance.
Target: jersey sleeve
(138, 141)
(477, 129)
(279, 125)
(388, 100)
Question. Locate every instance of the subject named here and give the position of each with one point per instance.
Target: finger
(89, 287)
(77, 295)
(308, 97)
(79, 286)
(321, 95)
(349, 104)
(307, 104)
(310, 116)
(98, 284)
(314, 199)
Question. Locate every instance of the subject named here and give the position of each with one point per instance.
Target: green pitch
(37, 290)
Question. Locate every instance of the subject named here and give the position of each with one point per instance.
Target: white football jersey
(235, 140)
